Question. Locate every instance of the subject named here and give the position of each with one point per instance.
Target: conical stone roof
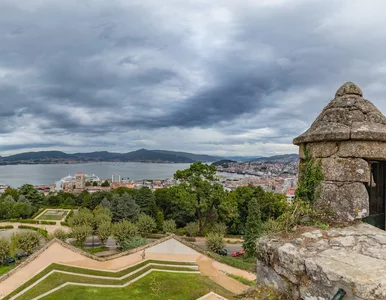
(347, 117)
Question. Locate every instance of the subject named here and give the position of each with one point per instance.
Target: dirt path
(207, 266)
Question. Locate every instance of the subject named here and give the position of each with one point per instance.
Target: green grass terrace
(150, 279)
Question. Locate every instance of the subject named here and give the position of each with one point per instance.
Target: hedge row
(6, 227)
(28, 221)
(41, 231)
(64, 224)
(48, 222)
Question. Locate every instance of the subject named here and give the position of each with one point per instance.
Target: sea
(17, 175)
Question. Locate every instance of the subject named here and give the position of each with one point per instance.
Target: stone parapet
(314, 263)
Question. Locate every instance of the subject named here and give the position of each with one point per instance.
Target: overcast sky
(225, 77)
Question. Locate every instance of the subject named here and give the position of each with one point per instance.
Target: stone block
(370, 150)
(347, 201)
(368, 131)
(345, 169)
(319, 150)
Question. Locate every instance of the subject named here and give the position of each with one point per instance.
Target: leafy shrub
(180, 231)
(272, 226)
(47, 222)
(5, 249)
(214, 241)
(192, 229)
(189, 239)
(132, 243)
(169, 226)
(219, 228)
(6, 227)
(124, 230)
(146, 224)
(39, 230)
(64, 224)
(26, 241)
(60, 234)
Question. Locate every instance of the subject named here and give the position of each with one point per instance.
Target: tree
(146, 201)
(10, 192)
(101, 215)
(124, 208)
(177, 203)
(104, 231)
(5, 249)
(192, 229)
(214, 241)
(95, 183)
(32, 195)
(159, 219)
(88, 183)
(253, 227)
(123, 230)
(169, 226)
(9, 198)
(199, 180)
(81, 233)
(83, 217)
(146, 224)
(106, 203)
(26, 241)
(21, 210)
(60, 234)
(6, 208)
(105, 184)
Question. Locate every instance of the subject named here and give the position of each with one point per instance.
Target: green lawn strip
(57, 279)
(90, 272)
(155, 286)
(5, 269)
(248, 264)
(96, 250)
(242, 280)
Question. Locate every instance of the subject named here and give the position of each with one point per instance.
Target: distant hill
(223, 163)
(194, 157)
(284, 159)
(141, 155)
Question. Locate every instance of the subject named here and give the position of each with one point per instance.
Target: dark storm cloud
(244, 72)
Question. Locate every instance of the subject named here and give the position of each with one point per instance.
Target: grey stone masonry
(349, 132)
(314, 264)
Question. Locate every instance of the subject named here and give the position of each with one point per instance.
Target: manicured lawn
(57, 278)
(49, 217)
(157, 285)
(5, 269)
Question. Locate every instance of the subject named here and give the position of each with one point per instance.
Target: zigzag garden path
(61, 271)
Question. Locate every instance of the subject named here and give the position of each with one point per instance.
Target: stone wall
(313, 264)
(346, 173)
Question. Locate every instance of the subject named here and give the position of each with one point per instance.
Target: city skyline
(230, 78)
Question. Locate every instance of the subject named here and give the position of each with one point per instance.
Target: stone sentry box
(349, 138)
